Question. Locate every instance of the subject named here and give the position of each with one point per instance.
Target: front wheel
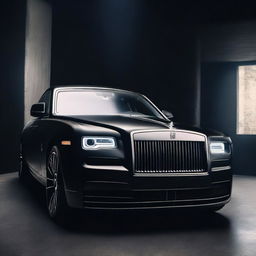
(55, 193)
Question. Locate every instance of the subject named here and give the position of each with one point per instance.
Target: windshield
(102, 102)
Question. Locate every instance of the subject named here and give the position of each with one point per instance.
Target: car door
(31, 146)
(41, 131)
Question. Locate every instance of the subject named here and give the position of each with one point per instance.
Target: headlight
(217, 147)
(93, 142)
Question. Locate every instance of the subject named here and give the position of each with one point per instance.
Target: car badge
(172, 135)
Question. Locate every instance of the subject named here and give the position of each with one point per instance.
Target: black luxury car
(103, 148)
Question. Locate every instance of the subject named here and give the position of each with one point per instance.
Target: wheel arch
(57, 131)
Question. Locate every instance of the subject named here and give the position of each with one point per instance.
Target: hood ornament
(171, 125)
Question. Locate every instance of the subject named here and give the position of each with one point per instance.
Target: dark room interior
(188, 58)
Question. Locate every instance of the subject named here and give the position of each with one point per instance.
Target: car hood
(130, 124)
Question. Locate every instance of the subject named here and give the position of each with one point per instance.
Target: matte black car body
(128, 176)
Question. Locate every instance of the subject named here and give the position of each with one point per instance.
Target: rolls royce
(103, 148)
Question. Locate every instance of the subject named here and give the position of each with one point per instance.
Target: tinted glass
(100, 102)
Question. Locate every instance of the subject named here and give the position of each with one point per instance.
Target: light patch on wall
(246, 100)
(37, 52)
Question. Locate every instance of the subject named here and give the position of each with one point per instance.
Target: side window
(46, 98)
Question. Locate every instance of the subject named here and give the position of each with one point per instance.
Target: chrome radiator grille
(169, 156)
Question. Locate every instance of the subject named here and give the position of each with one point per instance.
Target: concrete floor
(26, 230)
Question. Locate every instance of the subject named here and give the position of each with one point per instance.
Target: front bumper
(118, 189)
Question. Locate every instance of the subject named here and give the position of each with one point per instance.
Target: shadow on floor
(123, 222)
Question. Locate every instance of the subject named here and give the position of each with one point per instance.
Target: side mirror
(38, 109)
(168, 114)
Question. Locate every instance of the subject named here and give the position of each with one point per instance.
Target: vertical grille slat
(186, 155)
(169, 156)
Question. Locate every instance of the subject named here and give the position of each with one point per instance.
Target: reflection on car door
(32, 148)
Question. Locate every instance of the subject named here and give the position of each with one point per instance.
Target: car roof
(91, 87)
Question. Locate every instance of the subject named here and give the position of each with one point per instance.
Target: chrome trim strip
(166, 201)
(158, 207)
(118, 197)
(164, 135)
(106, 182)
(106, 167)
(222, 181)
(171, 189)
(220, 160)
(169, 174)
(202, 199)
(221, 168)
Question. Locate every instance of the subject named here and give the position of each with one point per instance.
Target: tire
(55, 194)
(23, 172)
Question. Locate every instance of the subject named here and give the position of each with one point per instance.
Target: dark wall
(131, 44)
(12, 50)
(226, 42)
(218, 111)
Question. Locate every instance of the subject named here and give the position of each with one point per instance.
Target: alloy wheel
(52, 187)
